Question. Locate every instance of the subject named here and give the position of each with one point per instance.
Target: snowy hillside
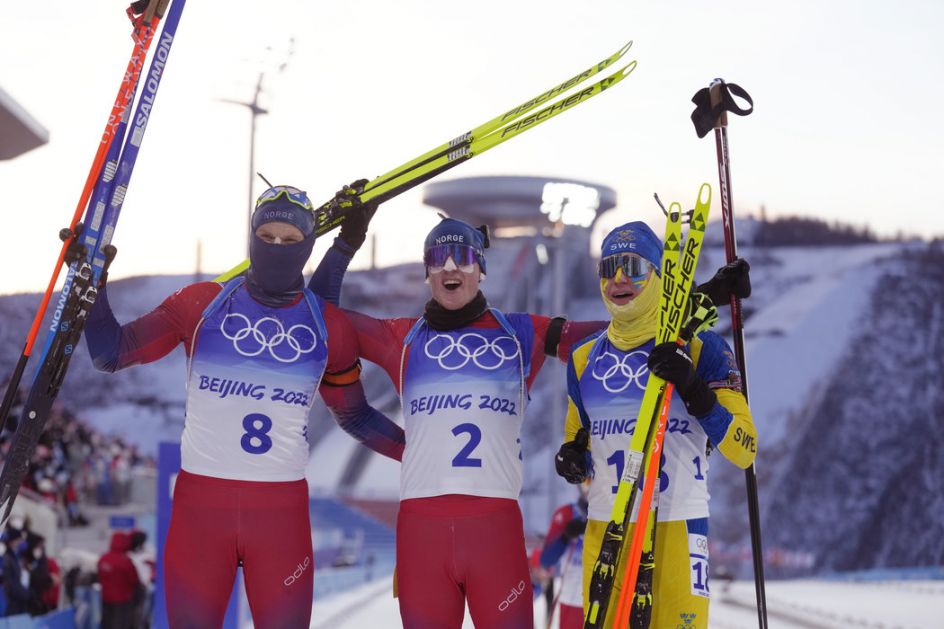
(843, 368)
(873, 444)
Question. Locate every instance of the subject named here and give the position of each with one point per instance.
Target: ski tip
(675, 212)
(704, 194)
(627, 69)
(625, 49)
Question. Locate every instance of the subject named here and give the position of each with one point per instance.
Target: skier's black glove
(573, 458)
(672, 363)
(574, 529)
(358, 213)
(731, 279)
(76, 249)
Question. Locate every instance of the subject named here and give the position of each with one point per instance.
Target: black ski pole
(712, 105)
(87, 253)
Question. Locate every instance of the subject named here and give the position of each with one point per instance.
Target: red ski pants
(571, 617)
(218, 523)
(456, 549)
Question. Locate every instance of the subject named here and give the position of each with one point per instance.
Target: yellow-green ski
(641, 543)
(466, 146)
(499, 121)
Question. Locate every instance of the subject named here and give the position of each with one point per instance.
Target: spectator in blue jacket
(15, 576)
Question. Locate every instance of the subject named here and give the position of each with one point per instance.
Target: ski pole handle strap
(147, 9)
(713, 102)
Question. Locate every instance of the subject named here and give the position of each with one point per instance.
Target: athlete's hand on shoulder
(573, 459)
(671, 362)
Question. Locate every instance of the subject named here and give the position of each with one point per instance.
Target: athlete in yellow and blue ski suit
(606, 378)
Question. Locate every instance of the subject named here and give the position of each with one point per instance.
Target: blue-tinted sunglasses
(294, 195)
(463, 255)
(634, 267)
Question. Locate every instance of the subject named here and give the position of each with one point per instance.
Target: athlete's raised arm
(114, 346)
(327, 279)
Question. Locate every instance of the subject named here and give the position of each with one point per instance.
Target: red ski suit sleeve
(154, 335)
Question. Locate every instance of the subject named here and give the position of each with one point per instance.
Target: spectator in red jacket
(51, 594)
(43, 576)
(119, 581)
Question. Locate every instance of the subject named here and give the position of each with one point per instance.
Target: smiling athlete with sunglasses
(463, 371)
(259, 347)
(606, 378)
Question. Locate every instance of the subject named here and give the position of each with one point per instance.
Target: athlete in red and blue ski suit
(564, 544)
(463, 372)
(258, 349)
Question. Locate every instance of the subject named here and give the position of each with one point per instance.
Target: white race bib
(254, 372)
(463, 398)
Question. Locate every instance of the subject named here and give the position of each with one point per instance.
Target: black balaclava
(275, 270)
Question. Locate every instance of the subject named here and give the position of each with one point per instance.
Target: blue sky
(847, 124)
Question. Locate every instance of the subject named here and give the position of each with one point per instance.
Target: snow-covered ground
(834, 605)
(810, 604)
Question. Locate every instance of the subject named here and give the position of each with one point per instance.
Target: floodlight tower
(255, 110)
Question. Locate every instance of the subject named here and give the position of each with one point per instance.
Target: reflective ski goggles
(292, 194)
(634, 267)
(463, 256)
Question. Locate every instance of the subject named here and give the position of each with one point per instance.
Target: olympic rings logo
(453, 354)
(608, 365)
(701, 543)
(251, 339)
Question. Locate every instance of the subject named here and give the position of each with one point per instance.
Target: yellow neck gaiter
(634, 323)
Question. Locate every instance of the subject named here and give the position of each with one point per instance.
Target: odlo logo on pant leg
(299, 571)
(512, 596)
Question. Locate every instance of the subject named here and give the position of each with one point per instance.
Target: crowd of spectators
(31, 580)
(74, 463)
(74, 466)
